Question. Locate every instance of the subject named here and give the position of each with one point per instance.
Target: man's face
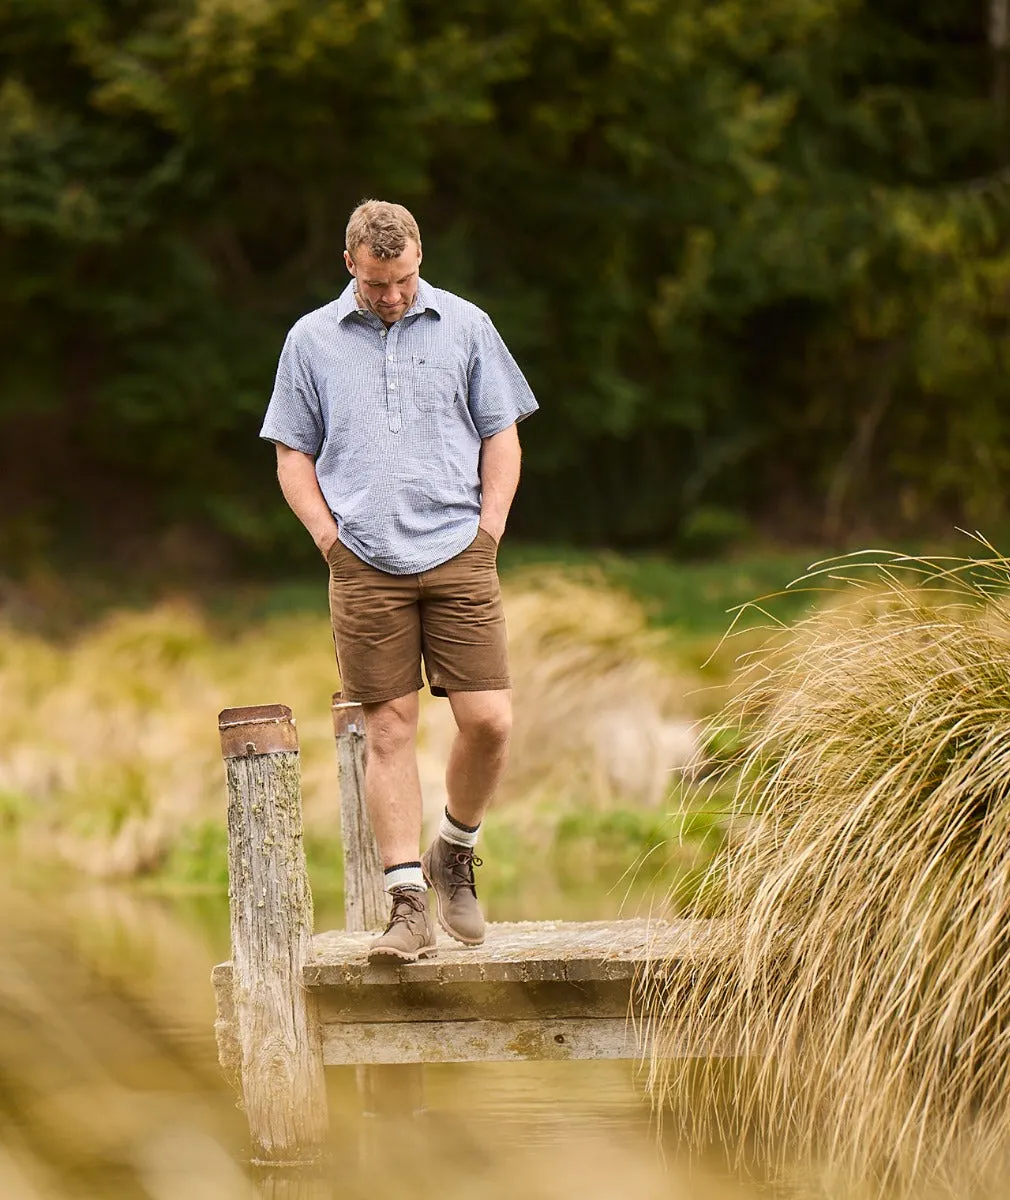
(386, 286)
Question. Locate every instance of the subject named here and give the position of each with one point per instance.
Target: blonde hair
(383, 227)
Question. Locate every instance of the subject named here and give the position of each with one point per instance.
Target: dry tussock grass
(111, 749)
(863, 960)
(111, 744)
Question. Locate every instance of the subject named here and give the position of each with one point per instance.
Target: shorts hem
(382, 696)
(501, 684)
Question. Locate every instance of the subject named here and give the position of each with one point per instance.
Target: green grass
(558, 859)
(693, 597)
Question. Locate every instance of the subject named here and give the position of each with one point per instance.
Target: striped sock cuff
(404, 875)
(451, 830)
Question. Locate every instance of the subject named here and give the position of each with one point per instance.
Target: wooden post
(391, 1091)
(281, 1184)
(277, 1025)
(366, 905)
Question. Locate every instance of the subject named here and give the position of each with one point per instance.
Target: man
(394, 416)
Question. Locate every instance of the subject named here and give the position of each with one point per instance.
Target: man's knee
(489, 722)
(391, 726)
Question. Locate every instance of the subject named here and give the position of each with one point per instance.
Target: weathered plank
(468, 1001)
(581, 982)
(366, 905)
(480, 1041)
(275, 1025)
(519, 952)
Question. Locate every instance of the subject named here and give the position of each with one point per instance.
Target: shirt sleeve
(497, 392)
(294, 415)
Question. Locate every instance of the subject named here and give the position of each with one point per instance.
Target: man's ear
(349, 263)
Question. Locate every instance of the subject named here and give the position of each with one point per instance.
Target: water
(110, 1085)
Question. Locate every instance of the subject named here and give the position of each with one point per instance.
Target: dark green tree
(753, 258)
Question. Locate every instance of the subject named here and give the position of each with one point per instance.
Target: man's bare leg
(479, 752)
(476, 766)
(393, 793)
(392, 784)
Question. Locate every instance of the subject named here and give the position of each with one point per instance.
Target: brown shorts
(450, 616)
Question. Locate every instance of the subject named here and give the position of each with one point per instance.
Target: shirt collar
(347, 302)
(425, 301)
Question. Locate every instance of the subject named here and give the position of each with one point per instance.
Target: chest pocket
(434, 383)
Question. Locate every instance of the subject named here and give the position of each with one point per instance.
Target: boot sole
(456, 937)
(403, 956)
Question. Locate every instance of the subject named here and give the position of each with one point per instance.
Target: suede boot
(448, 868)
(410, 934)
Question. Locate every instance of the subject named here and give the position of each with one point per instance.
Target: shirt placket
(394, 377)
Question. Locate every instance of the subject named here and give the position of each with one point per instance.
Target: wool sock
(405, 875)
(451, 830)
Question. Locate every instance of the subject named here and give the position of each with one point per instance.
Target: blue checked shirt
(394, 419)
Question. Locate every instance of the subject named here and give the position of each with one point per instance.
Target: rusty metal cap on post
(348, 715)
(258, 729)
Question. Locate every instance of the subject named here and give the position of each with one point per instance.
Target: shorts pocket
(487, 537)
(434, 383)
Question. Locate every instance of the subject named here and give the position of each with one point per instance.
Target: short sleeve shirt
(394, 419)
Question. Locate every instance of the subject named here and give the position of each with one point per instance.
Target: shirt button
(383, 332)
(392, 387)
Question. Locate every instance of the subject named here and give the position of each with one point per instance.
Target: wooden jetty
(292, 1002)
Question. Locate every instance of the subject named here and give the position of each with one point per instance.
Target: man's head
(384, 254)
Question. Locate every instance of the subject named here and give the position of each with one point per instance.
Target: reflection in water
(109, 1084)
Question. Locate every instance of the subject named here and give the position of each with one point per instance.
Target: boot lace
(406, 903)
(460, 868)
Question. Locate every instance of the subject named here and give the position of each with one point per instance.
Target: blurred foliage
(753, 258)
(111, 765)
